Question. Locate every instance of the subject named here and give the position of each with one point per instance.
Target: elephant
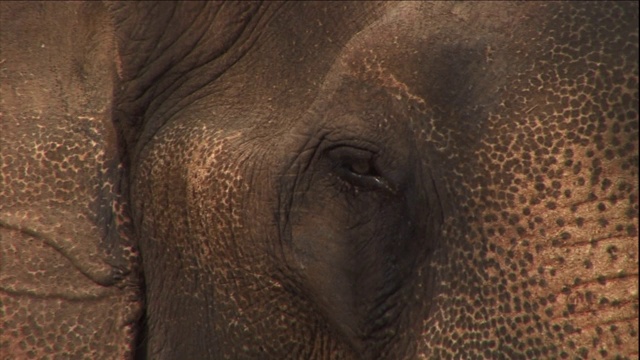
(319, 180)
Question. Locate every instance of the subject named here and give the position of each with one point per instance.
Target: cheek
(187, 199)
(214, 203)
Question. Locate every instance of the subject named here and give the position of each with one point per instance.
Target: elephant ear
(68, 273)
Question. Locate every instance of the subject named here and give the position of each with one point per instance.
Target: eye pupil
(360, 167)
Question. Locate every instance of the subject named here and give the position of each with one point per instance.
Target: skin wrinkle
(160, 94)
(67, 265)
(511, 129)
(481, 189)
(102, 275)
(283, 212)
(296, 195)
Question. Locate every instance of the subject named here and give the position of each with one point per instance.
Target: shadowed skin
(319, 180)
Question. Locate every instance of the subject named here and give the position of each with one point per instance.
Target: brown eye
(361, 167)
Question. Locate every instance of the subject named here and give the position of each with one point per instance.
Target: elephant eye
(361, 167)
(357, 167)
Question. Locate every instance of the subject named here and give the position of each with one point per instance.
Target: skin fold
(319, 180)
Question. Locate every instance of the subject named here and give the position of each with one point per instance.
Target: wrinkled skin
(320, 180)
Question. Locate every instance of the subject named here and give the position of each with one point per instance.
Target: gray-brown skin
(326, 180)
(67, 284)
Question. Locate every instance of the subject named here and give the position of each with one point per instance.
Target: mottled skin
(67, 284)
(320, 180)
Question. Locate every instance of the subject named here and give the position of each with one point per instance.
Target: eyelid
(346, 155)
(350, 152)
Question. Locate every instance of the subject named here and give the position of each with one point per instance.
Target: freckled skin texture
(365, 180)
(68, 284)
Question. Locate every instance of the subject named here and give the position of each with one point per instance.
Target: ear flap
(68, 279)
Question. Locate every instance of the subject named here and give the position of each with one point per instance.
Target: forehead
(440, 51)
(415, 29)
(463, 54)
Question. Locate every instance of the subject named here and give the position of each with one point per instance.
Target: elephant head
(322, 180)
